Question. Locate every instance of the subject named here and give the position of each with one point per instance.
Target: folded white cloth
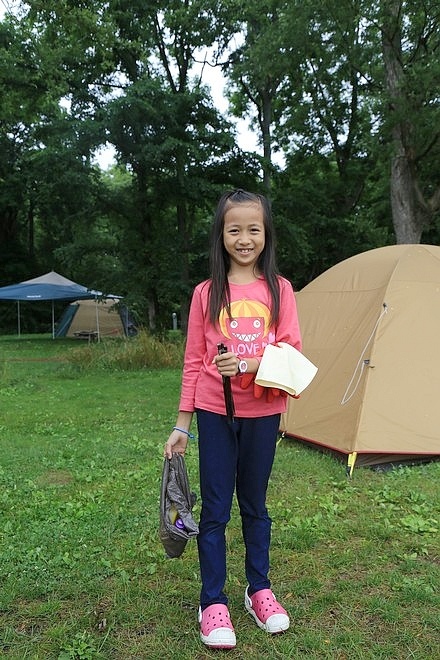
(284, 367)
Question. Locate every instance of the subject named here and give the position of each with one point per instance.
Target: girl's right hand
(176, 444)
(226, 363)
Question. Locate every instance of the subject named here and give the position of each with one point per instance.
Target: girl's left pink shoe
(269, 615)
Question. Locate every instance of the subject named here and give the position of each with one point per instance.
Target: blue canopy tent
(51, 286)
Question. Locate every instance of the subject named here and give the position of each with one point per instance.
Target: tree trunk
(8, 224)
(142, 233)
(182, 223)
(406, 213)
(265, 122)
(407, 225)
(31, 229)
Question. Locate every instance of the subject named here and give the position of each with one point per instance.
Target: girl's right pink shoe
(216, 629)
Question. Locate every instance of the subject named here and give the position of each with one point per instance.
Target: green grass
(83, 575)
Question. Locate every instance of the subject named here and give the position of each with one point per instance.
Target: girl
(245, 305)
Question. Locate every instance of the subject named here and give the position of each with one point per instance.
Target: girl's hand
(226, 363)
(176, 444)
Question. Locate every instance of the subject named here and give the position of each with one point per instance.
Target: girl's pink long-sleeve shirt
(246, 335)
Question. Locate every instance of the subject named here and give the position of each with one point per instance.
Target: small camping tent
(371, 324)
(89, 318)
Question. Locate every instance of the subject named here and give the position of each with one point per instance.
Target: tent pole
(53, 320)
(97, 319)
(18, 319)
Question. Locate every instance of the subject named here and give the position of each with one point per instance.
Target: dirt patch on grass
(55, 478)
(43, 359)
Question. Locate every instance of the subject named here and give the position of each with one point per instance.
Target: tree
(368, 91)
(112, 77)
(167, 132)
(24, 97)
(48, 147)
(322, 65)
(257, 69)
(410, 44)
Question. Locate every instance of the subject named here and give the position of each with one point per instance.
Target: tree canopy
(347, 92)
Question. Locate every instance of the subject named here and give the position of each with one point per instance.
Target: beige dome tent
(89, 319)
(371, 324)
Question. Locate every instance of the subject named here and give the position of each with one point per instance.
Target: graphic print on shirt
(248, 330)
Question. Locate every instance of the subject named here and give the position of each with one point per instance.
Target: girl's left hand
(226, 363)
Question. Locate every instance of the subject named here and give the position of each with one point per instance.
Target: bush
(142, 351)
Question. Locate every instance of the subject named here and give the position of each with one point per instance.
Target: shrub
(142, 351)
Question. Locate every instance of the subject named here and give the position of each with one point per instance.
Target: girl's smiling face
(244, 234)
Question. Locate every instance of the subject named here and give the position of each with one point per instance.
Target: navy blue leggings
(238, 456)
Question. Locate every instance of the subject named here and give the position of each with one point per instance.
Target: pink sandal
(216, 629)
(269, 615)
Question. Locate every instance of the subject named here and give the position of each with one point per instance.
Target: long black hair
(220, 260)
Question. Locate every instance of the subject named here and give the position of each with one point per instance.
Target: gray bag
(175, 493)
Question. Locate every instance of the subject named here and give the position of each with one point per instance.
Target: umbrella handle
(221, 349)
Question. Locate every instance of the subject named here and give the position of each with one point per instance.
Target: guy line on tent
(362, 362)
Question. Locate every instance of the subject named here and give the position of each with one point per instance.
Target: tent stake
(350, 463)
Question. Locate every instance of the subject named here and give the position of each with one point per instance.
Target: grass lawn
(83, 575)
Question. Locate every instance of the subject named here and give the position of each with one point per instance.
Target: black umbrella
(229, 401)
